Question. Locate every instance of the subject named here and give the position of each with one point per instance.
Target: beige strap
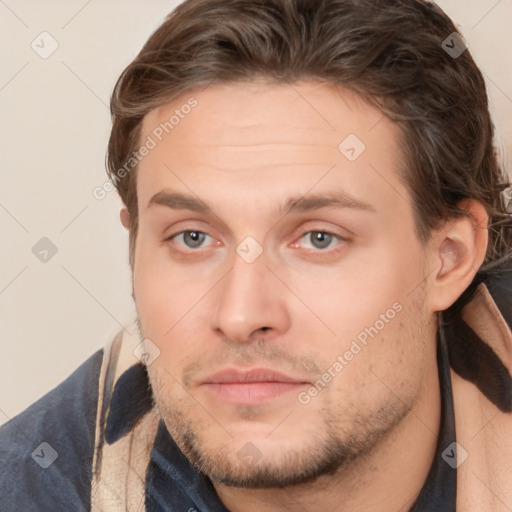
(119, 470)
(484, 317)
(484, 476)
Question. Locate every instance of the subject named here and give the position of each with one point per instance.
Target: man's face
(292, 340)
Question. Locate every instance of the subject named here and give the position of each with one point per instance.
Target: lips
(233, 376)
(250, 387)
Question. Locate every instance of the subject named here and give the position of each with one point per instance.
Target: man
(318, 231)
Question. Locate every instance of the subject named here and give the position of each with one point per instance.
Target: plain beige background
(55, 126)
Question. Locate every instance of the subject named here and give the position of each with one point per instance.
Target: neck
(388, 478)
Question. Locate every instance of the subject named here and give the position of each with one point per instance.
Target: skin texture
(369, 434)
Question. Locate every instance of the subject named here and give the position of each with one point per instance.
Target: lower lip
(252, 393)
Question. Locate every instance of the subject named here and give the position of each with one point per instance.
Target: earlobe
(125, 218)
(460, 248)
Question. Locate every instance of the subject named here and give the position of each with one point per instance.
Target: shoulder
(46, 451)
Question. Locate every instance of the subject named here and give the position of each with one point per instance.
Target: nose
(250, 300)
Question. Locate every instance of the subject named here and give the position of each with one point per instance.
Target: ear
(458, 249)
(125, 218)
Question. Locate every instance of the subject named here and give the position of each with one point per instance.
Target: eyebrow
(178, 201)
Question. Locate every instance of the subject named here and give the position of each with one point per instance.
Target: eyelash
(318, 251)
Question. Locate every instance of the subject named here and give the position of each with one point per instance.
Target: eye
(321, 239)
(191, 239)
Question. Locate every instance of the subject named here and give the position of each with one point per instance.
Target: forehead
(264, 139)
(314, 110)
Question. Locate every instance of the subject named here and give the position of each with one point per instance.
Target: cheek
(161, 295)
(354, 299)
(386, 367)
(166, 305)
(370, 321)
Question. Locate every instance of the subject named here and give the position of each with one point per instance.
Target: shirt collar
(440, 490)
(131, 399)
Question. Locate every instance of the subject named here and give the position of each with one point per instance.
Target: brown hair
(389, 51)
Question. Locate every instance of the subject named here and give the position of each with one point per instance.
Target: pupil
(194, 237)
(323, 238)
